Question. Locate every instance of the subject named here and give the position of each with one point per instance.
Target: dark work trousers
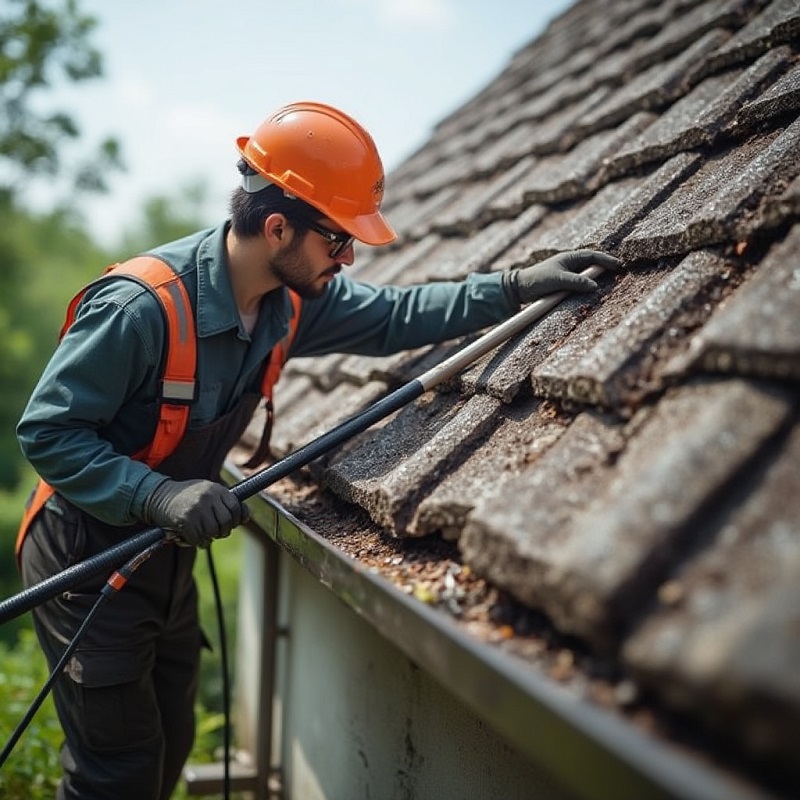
(126, 698)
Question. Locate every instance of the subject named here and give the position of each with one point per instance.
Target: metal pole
(114, 556)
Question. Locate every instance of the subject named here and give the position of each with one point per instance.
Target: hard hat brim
(372, 229)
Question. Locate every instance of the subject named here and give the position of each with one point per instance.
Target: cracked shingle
(721, 200)
(758, 331)
(723, 639)
(603, 517)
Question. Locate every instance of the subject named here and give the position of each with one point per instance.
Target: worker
(312, 184)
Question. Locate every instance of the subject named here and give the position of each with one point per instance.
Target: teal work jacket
(96, 401)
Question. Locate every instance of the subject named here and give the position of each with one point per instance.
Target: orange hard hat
(323, 156)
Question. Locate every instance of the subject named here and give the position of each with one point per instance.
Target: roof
(628, 470)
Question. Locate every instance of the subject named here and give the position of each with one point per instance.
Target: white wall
(362, 721)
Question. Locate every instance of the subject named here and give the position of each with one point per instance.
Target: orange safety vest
(178, 384)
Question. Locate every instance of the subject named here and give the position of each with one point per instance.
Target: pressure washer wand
(116, 555)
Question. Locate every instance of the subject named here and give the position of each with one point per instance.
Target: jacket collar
(216, 305)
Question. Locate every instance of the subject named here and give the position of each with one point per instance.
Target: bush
(33, 768)
(31, 771)
(11, 506)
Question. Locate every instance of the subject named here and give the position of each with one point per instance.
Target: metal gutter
(588, 751)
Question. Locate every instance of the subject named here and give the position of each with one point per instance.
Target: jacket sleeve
(110, 354)
(364, 319)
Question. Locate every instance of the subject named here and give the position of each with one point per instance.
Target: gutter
(587, 750)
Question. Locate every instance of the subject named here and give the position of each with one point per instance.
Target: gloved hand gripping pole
(114, 556)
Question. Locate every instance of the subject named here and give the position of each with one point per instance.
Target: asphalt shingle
(758, 331)
(722, 641)
(610, 508)
(630, 465)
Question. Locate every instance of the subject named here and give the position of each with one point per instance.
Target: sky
(183, 78)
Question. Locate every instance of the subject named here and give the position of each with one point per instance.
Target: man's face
(305, 264)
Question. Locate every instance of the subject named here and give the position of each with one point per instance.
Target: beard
(294, 272)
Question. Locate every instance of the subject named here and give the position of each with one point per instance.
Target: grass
(32, 770)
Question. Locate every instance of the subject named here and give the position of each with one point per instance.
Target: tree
(164, 217)
(44, 259)
(40, 44)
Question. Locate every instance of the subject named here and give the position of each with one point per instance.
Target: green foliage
(43, 260)
(41, 45)
(164, 218)
(16, 351)
(11, 504)
(33, 768)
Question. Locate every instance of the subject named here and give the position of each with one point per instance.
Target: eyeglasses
(338, 241)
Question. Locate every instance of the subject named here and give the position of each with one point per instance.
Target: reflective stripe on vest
(178, 384)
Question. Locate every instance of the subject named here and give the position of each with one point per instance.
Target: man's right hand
(196, 510)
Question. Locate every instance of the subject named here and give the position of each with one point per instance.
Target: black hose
(31, 597)
(112, 586)
(111, 558)
(226, 686)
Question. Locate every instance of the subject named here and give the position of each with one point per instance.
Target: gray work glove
(197, 511)
(556, 274)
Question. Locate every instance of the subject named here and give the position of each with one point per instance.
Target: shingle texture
(656, 515)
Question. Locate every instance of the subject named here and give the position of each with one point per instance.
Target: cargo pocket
(118, 706)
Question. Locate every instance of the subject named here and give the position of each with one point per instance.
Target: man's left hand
(557, 274)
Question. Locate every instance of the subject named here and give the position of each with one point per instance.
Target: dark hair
(250, 209)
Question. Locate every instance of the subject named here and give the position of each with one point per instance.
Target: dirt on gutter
(430, 569)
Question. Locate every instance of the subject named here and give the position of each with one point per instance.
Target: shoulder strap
(178, 384)
(277, 358)
(272, 371)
